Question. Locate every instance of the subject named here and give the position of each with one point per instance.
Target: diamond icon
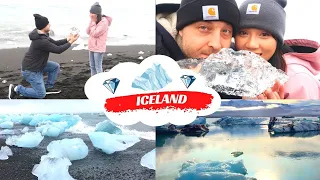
(187, 80)
(111, 84)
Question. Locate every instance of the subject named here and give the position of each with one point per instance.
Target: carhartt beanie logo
(192, 11)
(96, 8)
(268, 15)
(40, 21)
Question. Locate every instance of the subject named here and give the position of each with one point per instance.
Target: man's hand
(73, 38)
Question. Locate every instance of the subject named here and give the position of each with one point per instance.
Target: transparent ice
(149, 160)
(24, 130)
(73, 149)
(229, 170)
(52, 168)
(108, 126)
(74, 30)
(27, 140)
(5, 152)
(239, 73)
(110, 143)
(154, 78)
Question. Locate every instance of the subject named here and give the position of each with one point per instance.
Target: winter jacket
(41, 46)
(98, 34)
(302, 67)
(166, 35)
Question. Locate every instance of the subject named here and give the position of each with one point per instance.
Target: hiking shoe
(53, 91)
(12, 93)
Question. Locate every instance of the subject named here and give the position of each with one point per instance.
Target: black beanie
(41, 21)
(96, 8)
(191, 11)
(268, 15)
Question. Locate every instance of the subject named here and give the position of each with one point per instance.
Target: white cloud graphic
(128, 72)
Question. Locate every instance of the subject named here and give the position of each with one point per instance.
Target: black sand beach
(74, 74)
(96, 166)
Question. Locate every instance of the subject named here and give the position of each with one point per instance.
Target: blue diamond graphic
(111, 84)
(187, 80)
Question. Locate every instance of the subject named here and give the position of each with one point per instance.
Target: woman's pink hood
(302, 69)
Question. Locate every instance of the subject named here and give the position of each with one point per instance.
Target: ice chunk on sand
(6, 125)
(5, 152)
(4, 81)
(52, 168)
(154, 78)
(110, 143)
(73, 149)
(52, 129)
(109, 54)
(213, 170)
(149, 160)
(25, 129)
(140, 58)
(108, 126)
(7, 132)
(140, 52)
(27, 140)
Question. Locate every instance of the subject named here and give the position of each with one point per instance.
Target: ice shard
(149, 160)
(239, 73)
(73, 149)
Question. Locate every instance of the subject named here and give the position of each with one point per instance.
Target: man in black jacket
(35, 62)
(196, 29)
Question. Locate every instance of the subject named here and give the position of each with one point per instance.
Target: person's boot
(12, 93)
(52, 91)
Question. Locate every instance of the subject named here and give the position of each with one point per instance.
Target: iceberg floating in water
(5, 152)
(297, 126)
(110, 143)
(149, 160)
(52, 168)
(199, 120)
(239, 73)
(73, 149)
(6, 125)
(27, 140)
(154, 78)
(108, 126)
(229, 121)
(213, 170)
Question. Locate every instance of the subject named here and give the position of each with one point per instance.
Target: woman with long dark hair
(261, 30)
(98, 32)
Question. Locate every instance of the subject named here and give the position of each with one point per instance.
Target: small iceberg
(216, 170)
(52, 129)
(110, 143)
(52, 168)
(5, 152)
(27, 140)
(7, 132)
(140, 52)
(149, 160)
(73, 149)
(109, 127)
(6, 125)
(297, 126)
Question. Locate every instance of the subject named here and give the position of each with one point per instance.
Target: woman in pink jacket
(261, 30)
(98, 32)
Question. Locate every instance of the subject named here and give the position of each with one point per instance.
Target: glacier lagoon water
(285, 157)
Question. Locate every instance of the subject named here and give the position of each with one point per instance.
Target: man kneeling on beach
(35, 62)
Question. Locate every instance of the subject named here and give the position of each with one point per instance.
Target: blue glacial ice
(109, 127)
(154, 78)
(149, 160)
(216, 170)
(243, 103)
(40, 118)
(73, 149)
(24, 130)
(110, 143)
(7, 132)
(52, 129)
(6, 125)
(5, 152)
(52, 168)
(27, 140)
(229, 121)
(199, 120)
